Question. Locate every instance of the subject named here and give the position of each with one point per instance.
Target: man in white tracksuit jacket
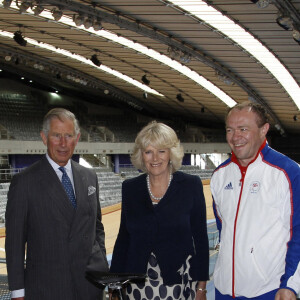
(256, 200)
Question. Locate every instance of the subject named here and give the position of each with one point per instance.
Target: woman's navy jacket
(173, 229)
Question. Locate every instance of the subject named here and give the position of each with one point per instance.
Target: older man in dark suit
(53, 216)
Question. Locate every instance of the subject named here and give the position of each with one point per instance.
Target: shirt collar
(55, 166)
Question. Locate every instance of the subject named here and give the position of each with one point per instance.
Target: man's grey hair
(62, 114)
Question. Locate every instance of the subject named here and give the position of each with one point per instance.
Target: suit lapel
(171, 191)
(142, 191)
(53, 189)
(81, 191)
(80, 185)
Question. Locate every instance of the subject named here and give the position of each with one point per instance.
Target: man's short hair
(262, 116)
(62, 114)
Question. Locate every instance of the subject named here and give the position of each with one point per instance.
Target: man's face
(61, 140)
(243, 135)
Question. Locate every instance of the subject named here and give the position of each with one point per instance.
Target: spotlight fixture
(88, 22)
(145, 80)
(284, 21)
(6, 3)
(224, 78)
(261, 3)
(202, 110)
(38, 10)
(145, 95)
(185, 57)
(78, 20)
(39, 66)
(97, 25)
(56, 14)
(295, 118)
(95, 60)
(296, 36)
(19, 38)
(179, 98)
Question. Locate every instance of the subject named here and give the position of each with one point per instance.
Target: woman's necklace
(149, 189)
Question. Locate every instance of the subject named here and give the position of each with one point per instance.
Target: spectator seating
(109, 188)
(195, 170)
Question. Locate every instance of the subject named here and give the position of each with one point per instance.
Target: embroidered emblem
(254, 187)
(229, 186)
(91, 190)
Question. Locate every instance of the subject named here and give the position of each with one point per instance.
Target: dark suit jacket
(173, 229)
(59, 240)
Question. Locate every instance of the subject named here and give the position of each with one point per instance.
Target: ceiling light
(85, 60)
(225, 78)
(88, 22)
(295, 118)
(179, 98)
(245, 40)
(280, 129)
(164, 59)
(185, 57)
(145, 95)
(78, 20)
(296, 35)
(284, 21)
(261, 3)
(56, 14)
(97, 25)
(6, 3)
(145, 80)
(95, 60)
(37, 10)
(19, 38)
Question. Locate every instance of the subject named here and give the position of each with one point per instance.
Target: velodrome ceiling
(166, 30)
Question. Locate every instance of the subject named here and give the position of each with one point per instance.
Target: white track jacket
(257, 211)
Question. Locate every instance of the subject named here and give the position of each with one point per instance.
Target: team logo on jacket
(229, 186)
(254, 187)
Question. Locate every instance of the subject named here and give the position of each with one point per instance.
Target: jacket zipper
(234, 232)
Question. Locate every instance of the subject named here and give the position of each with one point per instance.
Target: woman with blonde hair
(163, 229)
